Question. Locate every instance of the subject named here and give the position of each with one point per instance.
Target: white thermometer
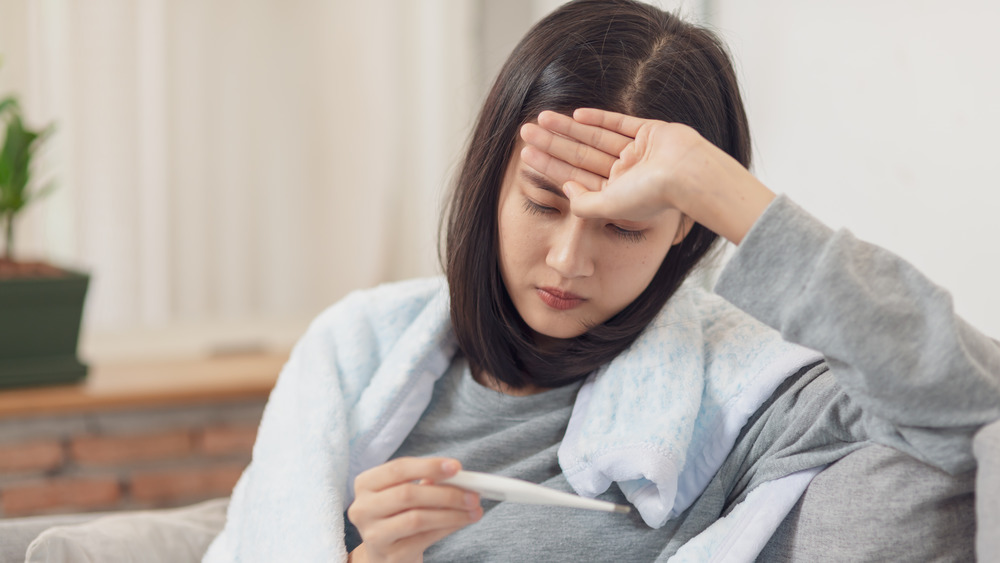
(494, 487)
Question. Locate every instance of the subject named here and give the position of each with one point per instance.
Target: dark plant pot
(39, 328)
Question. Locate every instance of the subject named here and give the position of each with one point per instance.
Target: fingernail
(470, 500)
(474, 515)
(450, 466)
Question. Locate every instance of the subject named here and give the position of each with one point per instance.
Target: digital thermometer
(494, 487)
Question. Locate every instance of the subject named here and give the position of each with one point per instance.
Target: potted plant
(41, 306)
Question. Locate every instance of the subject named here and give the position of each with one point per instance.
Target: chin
(558, 331)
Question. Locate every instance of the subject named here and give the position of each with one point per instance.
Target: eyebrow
(542, 183)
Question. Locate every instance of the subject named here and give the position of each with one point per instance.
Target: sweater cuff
(770, 267)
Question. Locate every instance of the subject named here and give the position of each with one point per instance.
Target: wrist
(723, 196)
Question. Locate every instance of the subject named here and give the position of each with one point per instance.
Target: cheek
(516, 241)
(632, 271)
(520, 237)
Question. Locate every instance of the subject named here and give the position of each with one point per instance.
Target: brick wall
(124, 460)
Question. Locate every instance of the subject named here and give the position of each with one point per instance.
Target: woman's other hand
(400, 511)
(622, 167)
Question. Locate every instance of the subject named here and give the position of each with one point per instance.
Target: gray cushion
(987, 449)
(877, 504)
(170, 536)
(17, 533)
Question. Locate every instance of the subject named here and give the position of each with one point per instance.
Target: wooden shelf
(137, 385)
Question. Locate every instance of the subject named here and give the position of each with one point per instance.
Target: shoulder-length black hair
(618, 55)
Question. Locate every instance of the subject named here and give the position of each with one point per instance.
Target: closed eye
(627, 235)
(536, 209)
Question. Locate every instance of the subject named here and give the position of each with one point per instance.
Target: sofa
(873, 505)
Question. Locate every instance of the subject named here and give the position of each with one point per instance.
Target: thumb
(583, 202)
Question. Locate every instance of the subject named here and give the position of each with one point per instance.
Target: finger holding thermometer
(494, 487)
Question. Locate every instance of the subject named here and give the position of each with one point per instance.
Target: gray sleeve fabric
(873, 503)
(877, 504)
(890, 336)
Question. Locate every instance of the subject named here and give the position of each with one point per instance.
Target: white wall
(883, 117)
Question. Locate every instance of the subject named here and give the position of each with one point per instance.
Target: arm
(891, 337)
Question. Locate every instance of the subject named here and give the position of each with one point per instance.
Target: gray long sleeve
(890, 336)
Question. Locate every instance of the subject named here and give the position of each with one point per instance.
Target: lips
(561, 300)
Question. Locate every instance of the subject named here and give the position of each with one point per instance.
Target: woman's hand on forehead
(622, 167)
(585, 152)
(565, 150)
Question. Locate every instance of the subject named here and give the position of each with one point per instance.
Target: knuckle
(360, 481)
(414, 519)
(458, 498)
(547, 141)
(357, 513)
(406, 494)
(397, 467)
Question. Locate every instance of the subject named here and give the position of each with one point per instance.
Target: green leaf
(9, 104)
(19, 146)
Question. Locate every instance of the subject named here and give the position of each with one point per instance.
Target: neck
(485, 380)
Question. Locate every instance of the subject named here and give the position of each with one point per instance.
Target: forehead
(518, 170)
(519, 173)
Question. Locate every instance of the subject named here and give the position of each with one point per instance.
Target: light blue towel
(659, 419)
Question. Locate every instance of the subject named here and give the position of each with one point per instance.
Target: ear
(683, 229)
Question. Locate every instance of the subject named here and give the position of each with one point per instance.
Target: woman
(566, 350)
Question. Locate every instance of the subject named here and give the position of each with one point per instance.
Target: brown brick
(184, 484)
(112, 450)
(31, 456)
(222, 440)
(60, 495)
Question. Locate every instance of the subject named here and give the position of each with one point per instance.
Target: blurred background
(226, 169)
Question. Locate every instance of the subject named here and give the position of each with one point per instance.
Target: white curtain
(227, 168)
(238, 165)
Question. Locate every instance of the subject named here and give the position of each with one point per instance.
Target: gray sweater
(901, 370)
(904, 371)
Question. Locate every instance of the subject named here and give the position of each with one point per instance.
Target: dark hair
(617, 55)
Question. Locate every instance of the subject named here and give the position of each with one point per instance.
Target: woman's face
(566, 274)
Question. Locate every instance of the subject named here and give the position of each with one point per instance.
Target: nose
(569, 250)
